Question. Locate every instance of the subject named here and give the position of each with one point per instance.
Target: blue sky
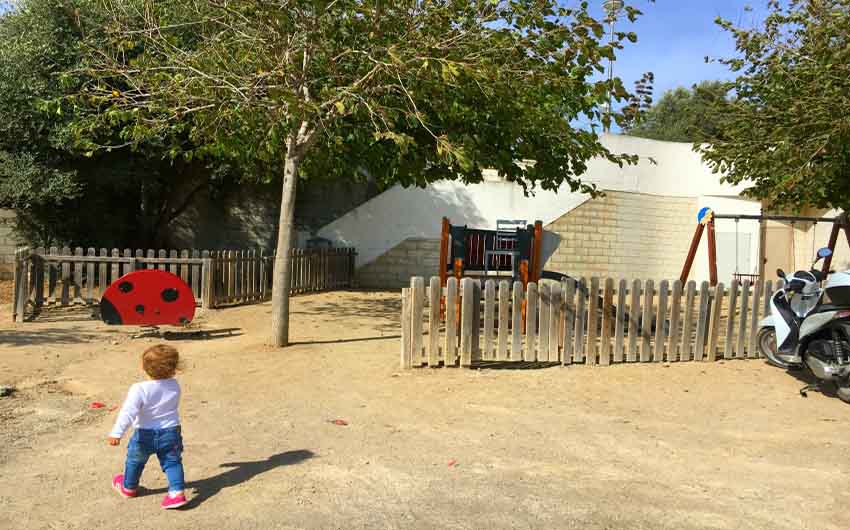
(674, 36)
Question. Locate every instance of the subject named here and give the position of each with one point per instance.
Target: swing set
(706, 223)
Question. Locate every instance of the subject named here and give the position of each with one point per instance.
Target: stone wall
(8, 244)
(625, 235)
(621, 235)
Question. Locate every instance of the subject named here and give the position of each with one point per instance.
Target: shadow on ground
(43, 337)
(240, 472)
(385, 311)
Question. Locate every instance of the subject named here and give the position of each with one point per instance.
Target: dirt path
(690, 446)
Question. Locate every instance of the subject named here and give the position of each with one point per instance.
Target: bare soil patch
(688, 446)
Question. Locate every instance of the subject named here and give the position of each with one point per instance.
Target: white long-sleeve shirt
(149, 405)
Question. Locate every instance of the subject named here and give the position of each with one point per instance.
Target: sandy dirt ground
(729, 445)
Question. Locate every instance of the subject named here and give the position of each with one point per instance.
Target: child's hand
(113, 441)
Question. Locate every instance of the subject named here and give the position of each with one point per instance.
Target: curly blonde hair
(160, 361)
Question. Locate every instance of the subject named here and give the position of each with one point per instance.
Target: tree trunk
(282, 262)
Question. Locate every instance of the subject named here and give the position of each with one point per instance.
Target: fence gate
(594, 322)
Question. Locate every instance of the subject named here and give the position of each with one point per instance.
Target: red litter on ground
(452, 462)
(97, 405)
(339, 422)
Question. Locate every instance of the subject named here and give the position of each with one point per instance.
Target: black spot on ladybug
(140, 309)
(170, 295)
(125, 287)
(108, 313)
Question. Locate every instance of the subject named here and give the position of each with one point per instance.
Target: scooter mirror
(780, 273)
(824, 253)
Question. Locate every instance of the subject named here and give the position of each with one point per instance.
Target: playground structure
(706, 223)
(514, 248)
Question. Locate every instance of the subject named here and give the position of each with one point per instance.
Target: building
(641, 228)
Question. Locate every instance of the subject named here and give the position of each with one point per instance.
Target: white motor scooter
(809, 326)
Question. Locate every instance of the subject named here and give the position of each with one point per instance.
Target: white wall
(399, 213)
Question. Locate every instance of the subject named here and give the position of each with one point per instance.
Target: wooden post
(634, 321)
(467, 301)
(504, 309)
(536, 250)
(688, 322)
(489, 352)
(450, 350)
(569, 321)
(544, 312)
(39, 266)
(417, 290)
(21, 285)
(208, 299)
(646, 332)
(675, 312)
(444, 251)
(712, 253)
(660, 322)
(78, 278)
(66, 276)
(555, 323)
(754, 320)
(90, 275)
(435, 290)
(692, 252)
(590, 352)
(516, 321)
(702, 321)
(406, 348)
(580, 321)
(714, 323)
(730, 322)
(740, 348)
(605, 347)
(620, 325)
(762, 247)
(530, 351)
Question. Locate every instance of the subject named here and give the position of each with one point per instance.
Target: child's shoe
(169, 502)
(118, 484)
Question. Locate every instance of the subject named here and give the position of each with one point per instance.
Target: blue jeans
(166, 444)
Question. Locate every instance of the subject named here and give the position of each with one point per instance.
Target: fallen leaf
(339, 422)
(97, 405)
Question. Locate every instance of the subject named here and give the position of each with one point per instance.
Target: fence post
(21, 284)
(352, 277)
(406, 347)
(207, 278)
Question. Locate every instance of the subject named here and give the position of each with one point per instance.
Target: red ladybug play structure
(148, 298)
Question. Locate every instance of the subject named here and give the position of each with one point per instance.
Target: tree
(683, 115)
(62, 187)
(407, 92)
(787, 130)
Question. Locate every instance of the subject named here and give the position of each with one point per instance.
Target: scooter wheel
(766, 341)
(842, 390)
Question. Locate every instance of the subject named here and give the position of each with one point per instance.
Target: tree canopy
(683, 115)
(787, 130)
(410, 91)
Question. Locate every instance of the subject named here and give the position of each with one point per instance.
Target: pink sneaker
(169, 502)
(118, 484)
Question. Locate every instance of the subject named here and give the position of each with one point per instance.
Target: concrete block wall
(621, 235)
(625, 235)
(8, 244)
(393, 270)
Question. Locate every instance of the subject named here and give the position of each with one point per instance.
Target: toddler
(151, 407)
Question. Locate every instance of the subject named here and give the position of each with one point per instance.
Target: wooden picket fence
(595, 322)
(50, 278)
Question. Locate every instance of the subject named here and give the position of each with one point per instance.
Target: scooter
(809, 327)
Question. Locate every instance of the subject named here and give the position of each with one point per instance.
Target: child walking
(151, 408)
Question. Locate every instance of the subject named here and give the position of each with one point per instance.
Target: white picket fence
(595, 322)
